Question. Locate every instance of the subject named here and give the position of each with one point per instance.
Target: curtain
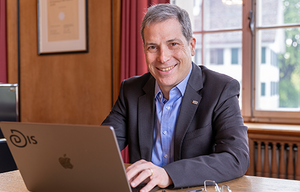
(3, 56)
(132, 54)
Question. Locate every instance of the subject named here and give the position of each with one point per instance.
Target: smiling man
(168, 53)
(181, 121)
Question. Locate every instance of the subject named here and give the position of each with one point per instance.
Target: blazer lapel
(189, 105)
(146, 119)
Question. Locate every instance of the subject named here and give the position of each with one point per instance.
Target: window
(217, 27)
(263, 55)
(216, 56)
(234, 56)
(263, 89)
(277, 30)
(274, 59)
(274, 88)
(256, 42)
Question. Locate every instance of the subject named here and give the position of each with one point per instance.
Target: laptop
(54, 157)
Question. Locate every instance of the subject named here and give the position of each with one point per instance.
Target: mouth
(167, 69)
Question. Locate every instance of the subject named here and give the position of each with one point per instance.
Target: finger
(135, 165)
(136, 168)
(150, 185)
(142, 176)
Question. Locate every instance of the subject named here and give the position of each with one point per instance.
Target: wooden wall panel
(116, 47)
(12, 41)
(74, 88)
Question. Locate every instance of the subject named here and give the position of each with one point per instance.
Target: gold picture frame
(62, 26)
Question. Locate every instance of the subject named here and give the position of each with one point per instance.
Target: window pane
(196, 17)
(198, 51)
(219, 50)
(222, 14)
(281, 71)
(218, 53)
(278, 12)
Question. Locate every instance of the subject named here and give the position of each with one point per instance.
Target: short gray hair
(163, 12)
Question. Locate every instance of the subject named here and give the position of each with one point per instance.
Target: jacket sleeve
(117, 118)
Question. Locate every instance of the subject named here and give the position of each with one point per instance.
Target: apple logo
(65, 162)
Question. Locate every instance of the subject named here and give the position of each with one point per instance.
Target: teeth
(167, 69)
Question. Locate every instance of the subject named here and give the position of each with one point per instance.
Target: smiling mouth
(166, 69)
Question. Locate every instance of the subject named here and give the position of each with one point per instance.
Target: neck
(166, 93)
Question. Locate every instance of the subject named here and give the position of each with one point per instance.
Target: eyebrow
(147, 44)
(168, 41)
(175, 39)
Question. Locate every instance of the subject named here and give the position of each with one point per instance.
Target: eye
(152, 49)
(173, 45)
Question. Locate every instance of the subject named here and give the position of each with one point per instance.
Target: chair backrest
(8, 112)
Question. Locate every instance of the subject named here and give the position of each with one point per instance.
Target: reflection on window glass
(281, 69)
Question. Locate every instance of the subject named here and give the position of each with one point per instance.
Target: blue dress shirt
(166, 117)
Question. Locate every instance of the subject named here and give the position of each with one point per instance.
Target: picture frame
(62, 26)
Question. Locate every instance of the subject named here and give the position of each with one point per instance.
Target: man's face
(168, 54)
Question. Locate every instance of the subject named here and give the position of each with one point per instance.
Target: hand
(146, 171)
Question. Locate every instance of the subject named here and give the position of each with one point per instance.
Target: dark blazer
(211, 140)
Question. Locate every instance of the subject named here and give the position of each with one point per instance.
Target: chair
(8, 112)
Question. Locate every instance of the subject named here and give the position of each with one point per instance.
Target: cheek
(150, 60)
(150, 63)
(149, 57)
(184, 53)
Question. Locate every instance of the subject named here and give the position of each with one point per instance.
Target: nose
(164, 54)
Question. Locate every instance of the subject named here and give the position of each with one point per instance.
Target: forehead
(170, 28)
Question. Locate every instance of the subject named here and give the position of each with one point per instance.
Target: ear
(193, 46)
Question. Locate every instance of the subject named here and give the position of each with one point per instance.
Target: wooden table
(13, 182)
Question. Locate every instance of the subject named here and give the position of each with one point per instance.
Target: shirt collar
(180, 86)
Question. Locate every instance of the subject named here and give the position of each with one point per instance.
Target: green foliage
(289, 62)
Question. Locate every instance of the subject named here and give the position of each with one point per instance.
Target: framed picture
(62, 26)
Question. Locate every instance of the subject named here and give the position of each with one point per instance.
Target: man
(181, 122)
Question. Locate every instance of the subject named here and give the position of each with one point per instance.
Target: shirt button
(165, 132)
(165, 156)
(168, 107)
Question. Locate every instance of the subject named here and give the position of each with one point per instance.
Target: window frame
(250, 58)
(266, 116)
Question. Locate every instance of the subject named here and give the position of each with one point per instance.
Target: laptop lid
(53, 157)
